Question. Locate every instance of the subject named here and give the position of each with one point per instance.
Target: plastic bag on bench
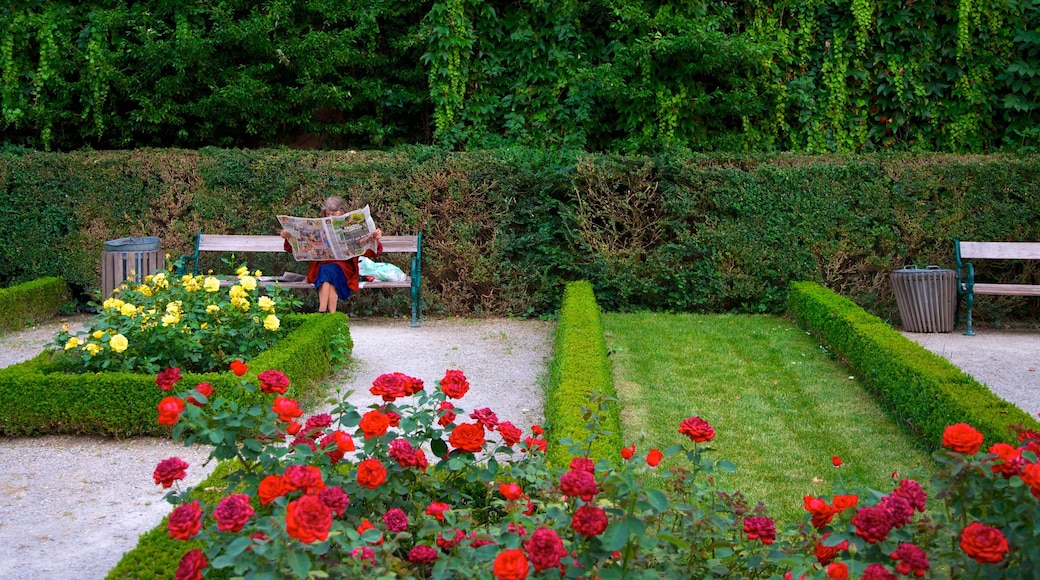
(381, 271)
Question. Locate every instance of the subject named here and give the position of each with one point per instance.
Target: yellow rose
(174, 307)
(128, 310)
(98, 334)
(242, 271)
(248, 282)
(236, 291)
(170, 319)
(145, 289)
(271, 322)
(211, 284)
(190, 283)
(93, 348)
(112, 304)
(243, 305)
(160, 281)
(265, 303)
(212, 309)
(118, 343)
(72, 343)
(65, 327)
(202, 326)
(258, 273)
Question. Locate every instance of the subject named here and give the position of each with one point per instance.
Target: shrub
(186, 322)
(924, 391)
(32, 302)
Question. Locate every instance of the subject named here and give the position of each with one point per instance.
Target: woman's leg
(333, 297)
(323, 296)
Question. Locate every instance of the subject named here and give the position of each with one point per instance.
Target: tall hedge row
(630, 76)
(504, 229)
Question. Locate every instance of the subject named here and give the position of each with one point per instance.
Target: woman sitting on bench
(336, 279)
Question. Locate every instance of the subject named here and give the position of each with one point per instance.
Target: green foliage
(37, 398)
(504, 229)
(923, 390)
(31, 302)
(581, 385)
(630, 76)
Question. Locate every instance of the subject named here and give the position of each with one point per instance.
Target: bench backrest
(227, 243)
(999, 250)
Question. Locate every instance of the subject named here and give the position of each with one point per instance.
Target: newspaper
(330, 238)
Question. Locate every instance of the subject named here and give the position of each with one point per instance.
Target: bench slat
(228, 243)
(1007, 289)
(406, 283)
(1001, 250)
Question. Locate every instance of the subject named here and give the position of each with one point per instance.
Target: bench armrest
(181, 265)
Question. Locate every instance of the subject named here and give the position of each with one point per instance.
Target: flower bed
(37, 398)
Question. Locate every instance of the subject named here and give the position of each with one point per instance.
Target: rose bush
(417, 487)
(189, 322)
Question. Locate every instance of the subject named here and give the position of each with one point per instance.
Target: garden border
(36, 399)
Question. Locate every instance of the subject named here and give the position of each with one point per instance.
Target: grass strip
(782, 406)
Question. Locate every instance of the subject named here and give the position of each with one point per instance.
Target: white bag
(381, 271)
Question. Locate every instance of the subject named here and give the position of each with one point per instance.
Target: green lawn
(780, 404)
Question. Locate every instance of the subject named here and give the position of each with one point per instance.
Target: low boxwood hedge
(32, 302)
(580, 368)
(37, 399)
(922, 390)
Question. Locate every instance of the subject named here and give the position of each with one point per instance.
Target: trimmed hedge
(924, 391)
(36, 399)
(580, 368)
(32, 302)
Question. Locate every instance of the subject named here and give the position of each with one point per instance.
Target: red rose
(394, 418)
(697, 429)
(335, 498)
(204, 389)
(185, 521)
(872, 523)
(308, 519)
(166, 378)
(170, 410)
(374, 424)
(838, 571)
(912, 559)
(238, 367)
(584, 464)
(962, 438)
(293, 427)
(306, 478)
(544, 549)
(537, 430)
(844, 502)
(169, 470)
(396, 520)
(286, 409)
(589, 520)
(233, 512)
(510, 434)
(486, 417)
(391, 386)
(511, 565)
(447, 416)
(1031, 477)
(1008, 461)
(984, 544)
(760, 528)
(579, 484)
(822, 512)
(533, 445)
(836, 461)
(454, 384)
(876, 571)
(191, 565)
(467, 437)
(371, 473)
(437, 509)
(272, 381)
(271, 488)
(628, 452)
(343, 443)
(826, 554)
(654, 457)
(511, 491)
(422, 554)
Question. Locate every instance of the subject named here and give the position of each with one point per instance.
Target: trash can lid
(909, 268)
(132, 244)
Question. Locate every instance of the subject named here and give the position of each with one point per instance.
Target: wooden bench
(966, 285)
(248, 243)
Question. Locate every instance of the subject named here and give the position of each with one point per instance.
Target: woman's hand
(373, 237)
(285, 234)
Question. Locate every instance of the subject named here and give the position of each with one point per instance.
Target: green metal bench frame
(966, 285)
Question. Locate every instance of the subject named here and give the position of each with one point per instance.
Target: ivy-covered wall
(625, 76)
(505, 229)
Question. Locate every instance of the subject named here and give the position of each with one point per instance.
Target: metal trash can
(128, 258)
(927, 298)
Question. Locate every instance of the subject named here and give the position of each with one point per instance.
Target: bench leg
(969, 298)
(415, 305)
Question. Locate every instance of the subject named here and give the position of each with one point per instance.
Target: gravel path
(70, 507)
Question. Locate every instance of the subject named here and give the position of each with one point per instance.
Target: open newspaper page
(329, 238)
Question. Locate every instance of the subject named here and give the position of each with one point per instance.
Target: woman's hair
(334, 203)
